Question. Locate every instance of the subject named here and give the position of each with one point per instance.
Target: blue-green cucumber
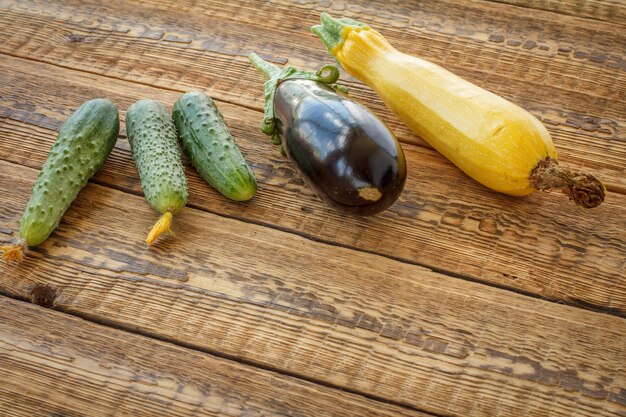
(209, 145)
(153, 142)
(82, 145)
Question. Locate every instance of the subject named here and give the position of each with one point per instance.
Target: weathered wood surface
(286, 284)
(567, 73)
(110, 372)
(353, 320)
(604, 10)
(541, 244)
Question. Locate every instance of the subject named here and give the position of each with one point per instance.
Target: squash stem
(331, 30)
(161, 226)
(13, 252)
(582, 187)
(267, 69)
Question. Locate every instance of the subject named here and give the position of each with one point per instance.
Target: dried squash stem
(582, 187)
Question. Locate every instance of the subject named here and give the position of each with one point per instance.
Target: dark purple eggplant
(340, 148)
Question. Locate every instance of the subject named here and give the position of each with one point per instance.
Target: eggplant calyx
(274, 75)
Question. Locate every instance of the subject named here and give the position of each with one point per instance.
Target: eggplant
(341, 149)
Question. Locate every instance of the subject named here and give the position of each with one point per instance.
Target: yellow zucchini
(494, 141)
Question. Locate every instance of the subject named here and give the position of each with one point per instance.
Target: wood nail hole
(76, 38)
(43, 295)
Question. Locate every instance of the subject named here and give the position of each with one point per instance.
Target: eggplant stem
(583, 188)
(331, 77)
(160, 227)
(274, 75)
(13, 252)
(268, 69)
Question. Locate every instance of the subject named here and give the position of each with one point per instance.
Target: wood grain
(284, 306)
(567, 73)
(53, 364)
(606, 10)
(540, 244)
(348, 319)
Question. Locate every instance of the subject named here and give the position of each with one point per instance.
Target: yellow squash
(494, 141)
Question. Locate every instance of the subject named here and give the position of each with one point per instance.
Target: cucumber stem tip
(161, 226)
(13, 252)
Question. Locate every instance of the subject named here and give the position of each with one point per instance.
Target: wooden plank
(606, 10)
(540, 244)
(565, 72)
(53, 364)
(348, 319)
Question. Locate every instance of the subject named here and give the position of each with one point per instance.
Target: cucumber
(83, 144)
(153, 142)
(209, 145)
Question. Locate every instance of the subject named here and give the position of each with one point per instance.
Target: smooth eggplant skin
(342, 150)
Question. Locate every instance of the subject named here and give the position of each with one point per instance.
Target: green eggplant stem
(274, 75)
(268, 69)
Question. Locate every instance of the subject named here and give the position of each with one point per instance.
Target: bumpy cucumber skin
(83, 144)
(211, 148)
(154, 145)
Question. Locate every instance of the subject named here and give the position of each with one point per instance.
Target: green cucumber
(209, 145)
(152, 138)
(83, 144)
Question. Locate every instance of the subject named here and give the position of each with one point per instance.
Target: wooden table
(457, 301)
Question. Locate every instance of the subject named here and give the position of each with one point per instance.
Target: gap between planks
(573, 301)
(492, 297)
(578, 304)
(546, 9)
(610, 187)
(217, 354)
(406, 136)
